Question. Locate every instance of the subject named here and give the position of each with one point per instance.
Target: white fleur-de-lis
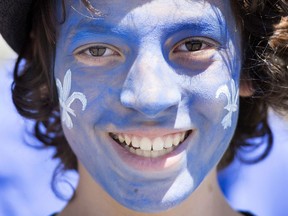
(65, 100)
(232, 103)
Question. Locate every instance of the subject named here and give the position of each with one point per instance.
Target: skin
(148, 84)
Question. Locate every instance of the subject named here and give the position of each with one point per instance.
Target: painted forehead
(114, 10)
(141, 16)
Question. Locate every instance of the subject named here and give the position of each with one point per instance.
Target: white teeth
(135, 142)
(132, 150)
(147, 147)
(168, 141)
(182, 137)
(127, 139)
(176, 139)
(168, 150)
(158, 144)
(155, 153)
(145, 144)
(146, 153)
(121, 138)
(159, 153)
(139, 152)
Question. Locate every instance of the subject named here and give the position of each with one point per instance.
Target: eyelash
(98, 54)
(97, 51)
(197, 43)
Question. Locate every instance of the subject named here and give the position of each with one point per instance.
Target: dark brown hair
(265, 41)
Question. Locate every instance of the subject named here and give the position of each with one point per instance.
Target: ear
(246, 88)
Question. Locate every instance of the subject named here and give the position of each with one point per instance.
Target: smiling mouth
(150, 147)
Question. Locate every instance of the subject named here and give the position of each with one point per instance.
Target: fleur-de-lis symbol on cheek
(65, 100)
(232, 102)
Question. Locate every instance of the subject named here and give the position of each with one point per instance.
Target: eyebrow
(199, 25)
(100, 26)
(93, 25)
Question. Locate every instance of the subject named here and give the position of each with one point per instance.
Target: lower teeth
(144, 153)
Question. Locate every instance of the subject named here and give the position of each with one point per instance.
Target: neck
(90, 199)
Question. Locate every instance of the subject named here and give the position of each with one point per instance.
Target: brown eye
(193, 45)
(97, 51)
(98, 55)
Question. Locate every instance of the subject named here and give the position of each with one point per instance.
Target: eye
(199, 50)
(194, 45)
(98, 51)
(98, 55)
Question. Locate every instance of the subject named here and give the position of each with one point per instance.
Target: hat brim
(15, 22)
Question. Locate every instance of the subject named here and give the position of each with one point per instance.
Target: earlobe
(246, 88)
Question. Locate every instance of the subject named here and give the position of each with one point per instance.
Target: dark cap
(14, 22)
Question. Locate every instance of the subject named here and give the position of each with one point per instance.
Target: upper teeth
(148, 144)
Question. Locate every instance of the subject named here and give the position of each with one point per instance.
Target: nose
(150, 86)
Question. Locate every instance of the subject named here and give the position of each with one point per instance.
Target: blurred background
(26, 170)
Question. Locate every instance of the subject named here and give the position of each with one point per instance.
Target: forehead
(145, 12)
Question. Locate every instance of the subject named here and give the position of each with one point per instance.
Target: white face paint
(232, 102)
(66, 100)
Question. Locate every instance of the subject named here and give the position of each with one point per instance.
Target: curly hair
(265, 41)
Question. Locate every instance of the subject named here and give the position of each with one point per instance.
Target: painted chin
(158, 154)
(152, 183)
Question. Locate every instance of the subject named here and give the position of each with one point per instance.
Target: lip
(169, 161)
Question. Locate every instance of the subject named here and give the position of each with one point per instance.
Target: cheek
(214, 92)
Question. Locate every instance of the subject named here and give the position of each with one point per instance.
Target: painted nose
(150, 86)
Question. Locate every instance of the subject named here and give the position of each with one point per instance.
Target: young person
(142, 97)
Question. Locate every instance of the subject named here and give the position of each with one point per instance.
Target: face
(148, 92)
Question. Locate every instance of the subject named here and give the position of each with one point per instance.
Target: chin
(155, 206)
(160, 197)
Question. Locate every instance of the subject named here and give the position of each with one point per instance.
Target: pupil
(97, 51)
(193, 46)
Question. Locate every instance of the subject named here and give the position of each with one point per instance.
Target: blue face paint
(156, 75)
